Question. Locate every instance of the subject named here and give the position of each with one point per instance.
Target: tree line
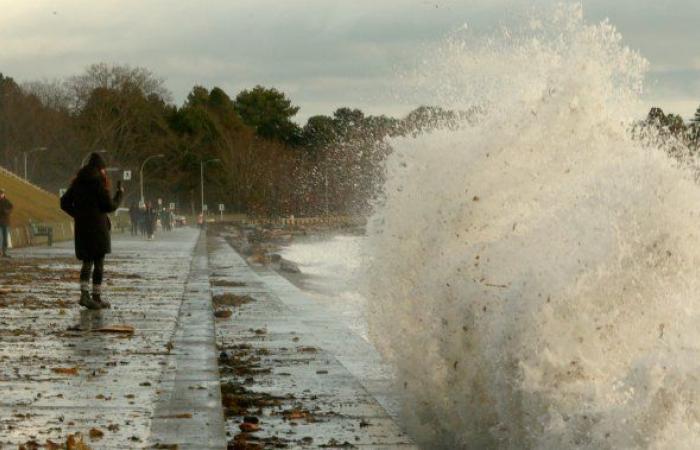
(260, 161)
(679, 138)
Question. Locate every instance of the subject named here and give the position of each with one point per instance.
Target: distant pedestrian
(164, 217)
(5, 211)
(88, 201)
(170, 218)
(134, 218)
(150, 220)
(142, 219)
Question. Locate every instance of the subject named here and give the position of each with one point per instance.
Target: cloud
(324, 53)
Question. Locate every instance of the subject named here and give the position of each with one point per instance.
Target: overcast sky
(322, 53)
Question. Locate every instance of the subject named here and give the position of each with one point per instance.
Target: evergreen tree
(696, 118)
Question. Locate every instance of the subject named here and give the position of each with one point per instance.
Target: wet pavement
(188, 413)
(59, 373)
(261, 366)
(307, 380)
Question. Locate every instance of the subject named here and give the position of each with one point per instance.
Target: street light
(85, 158)
(38, 149)
(201, 176)
(159, 155)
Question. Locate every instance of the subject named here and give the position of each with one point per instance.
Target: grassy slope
(30, 202)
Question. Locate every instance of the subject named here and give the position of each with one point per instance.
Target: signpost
(172, 206)
(205, 208)
(62, 192)
(221, 212)
(127, 175)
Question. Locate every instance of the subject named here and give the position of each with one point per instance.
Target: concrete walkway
(309, 380)
(159, 371)
(188, 413)
(66, 370)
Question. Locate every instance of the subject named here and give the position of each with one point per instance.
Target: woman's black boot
(87, 302)
(103, 304)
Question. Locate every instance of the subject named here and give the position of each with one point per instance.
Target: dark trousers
(97, 273)
(4, 231)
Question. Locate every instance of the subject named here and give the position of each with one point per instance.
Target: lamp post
(85, 158)
(37, 149)
(159, 155)
(201, 177)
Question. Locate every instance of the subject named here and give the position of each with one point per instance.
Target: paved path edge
(188, 411)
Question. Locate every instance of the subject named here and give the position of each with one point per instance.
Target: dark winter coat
(5, 210)
(150, 220)
(88, 201)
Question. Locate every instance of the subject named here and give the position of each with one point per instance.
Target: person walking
(88, 201)
(5, 210)
(134, 218)
(142, 219)
(150, 219)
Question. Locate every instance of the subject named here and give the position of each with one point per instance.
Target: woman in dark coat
(88, 201)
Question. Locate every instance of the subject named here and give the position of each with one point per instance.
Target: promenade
(196, 344)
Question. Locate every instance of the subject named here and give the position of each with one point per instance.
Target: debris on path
(279, 387)
(78, 379)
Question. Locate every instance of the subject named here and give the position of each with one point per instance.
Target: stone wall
(21, 236)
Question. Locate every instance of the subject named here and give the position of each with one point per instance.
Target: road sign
(172, 206)
(127, 175)
(62, 192)
(204, 208)
(221, 207)
(160, 202)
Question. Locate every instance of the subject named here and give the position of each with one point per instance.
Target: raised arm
(106, 203)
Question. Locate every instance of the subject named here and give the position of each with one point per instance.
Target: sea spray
(533, 275)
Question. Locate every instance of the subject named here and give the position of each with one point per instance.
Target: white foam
(534, 276)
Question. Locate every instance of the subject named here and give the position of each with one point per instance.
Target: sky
(322, 53)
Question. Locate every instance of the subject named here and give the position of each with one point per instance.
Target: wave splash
(533, 276)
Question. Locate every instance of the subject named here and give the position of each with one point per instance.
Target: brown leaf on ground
(96, 434)
(240, 442)
(231, 300)
(30, 445)
(222, 313)
(249, 427)
(307, 349)
(116, 328)
(297, 414)
(72, 371)
(75, 442)
(50, 445)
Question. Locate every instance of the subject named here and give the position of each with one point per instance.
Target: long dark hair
(95, 168)
(89, 172)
